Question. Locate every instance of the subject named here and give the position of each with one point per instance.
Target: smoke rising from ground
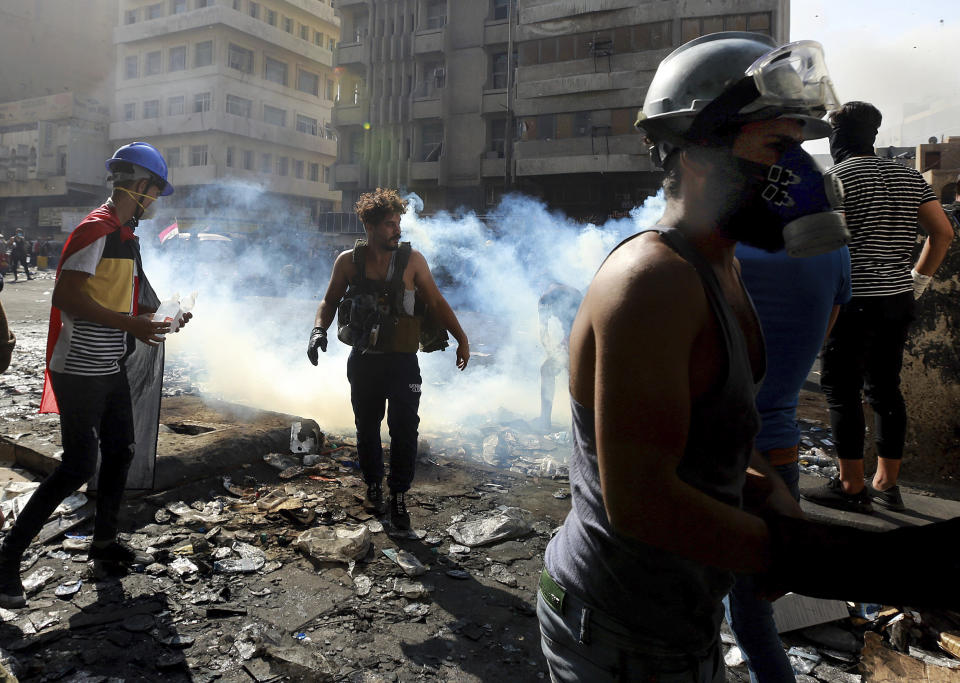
(255, 310)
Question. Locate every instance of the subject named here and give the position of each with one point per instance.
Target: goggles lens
(794, 75)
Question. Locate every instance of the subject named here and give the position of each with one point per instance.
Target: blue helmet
(144, 157)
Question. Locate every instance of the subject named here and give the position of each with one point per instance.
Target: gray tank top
(672, 604)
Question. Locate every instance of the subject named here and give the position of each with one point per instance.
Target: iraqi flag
(171, 230)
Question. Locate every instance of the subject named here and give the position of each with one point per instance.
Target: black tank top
(672, 604)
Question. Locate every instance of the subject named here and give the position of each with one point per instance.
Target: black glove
(915, 566)
(318, 338)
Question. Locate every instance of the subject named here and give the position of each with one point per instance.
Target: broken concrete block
(335, 544)
(503, 524)
(38, 579)
(249, 559)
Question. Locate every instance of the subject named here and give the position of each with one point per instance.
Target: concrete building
(237, 94)
(460, 101)
(940, 165)
(55, 90)
(51, 161)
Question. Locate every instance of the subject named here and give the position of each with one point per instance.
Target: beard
(742, 213)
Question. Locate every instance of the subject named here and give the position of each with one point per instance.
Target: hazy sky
(887, 52)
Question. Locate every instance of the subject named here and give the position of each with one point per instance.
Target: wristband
(920, 282)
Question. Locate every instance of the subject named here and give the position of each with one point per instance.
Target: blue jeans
(584, 646)
(751, 617)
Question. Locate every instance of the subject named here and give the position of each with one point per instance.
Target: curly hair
(373, 207)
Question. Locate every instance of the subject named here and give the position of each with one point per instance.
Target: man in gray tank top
(669, 497)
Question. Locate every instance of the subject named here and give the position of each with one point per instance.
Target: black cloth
(849, 141)
(96, 417)
(865, 352)
(392, 379)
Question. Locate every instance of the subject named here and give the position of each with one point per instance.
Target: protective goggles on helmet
(793, 76)
(790, 81)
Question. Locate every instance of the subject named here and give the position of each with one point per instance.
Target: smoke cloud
(256, 305)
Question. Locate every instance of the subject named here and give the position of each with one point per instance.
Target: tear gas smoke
(256, 306)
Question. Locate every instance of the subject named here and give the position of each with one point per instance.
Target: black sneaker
(831, 495)
(374, 500)
(118, 553)
(890, 498)
(399, 517)
(11, 588)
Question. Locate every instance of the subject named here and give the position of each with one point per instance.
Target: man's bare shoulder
(645, 274)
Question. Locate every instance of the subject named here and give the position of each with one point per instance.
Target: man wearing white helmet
(96, 314)
(665, 356)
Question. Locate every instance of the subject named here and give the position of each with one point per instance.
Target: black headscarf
(851, 140)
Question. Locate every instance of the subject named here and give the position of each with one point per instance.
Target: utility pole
(508, 175)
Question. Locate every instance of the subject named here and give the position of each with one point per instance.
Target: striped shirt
(881, 201)
(85, 347)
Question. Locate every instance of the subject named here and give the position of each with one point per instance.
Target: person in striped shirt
(883, 201)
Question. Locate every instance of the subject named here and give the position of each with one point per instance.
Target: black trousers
(16, 260)
(393, 379)
(864, 352)
(96, 416)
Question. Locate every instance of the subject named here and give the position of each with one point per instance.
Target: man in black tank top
(386, 373)
(669, 497)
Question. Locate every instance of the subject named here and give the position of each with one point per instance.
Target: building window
(153, 64)
(151, 109)
(298, 168)
(155, 11)
(332, 44)
(203, 53)
(172, 156)
(546, 127)
(178, 6)
(240, 58)
(203, 3)
(500, 9)
(247, 160)
(175, 106)
(198, 155)
(329, 90)
(275, 70)
(308, 82)
(355, 149)
(499, 70)
(254, 10)
(229, 157)
(178, 58)
(288, 24)
(304, 32)
(436, 13)
(129, 111)
(130, 17)
(431, 141)
(239, 106)
(326, 174)
(237, 4)
(271, 17)
(653, 36)
(318, 38)
(498, 130)
(275, 116)
(266, 162)
(307, 125)
(283, 166)
(315, 172)
(201, 102)
(130, 67)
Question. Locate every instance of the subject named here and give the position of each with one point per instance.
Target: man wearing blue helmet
(669, 497)
(100, 305)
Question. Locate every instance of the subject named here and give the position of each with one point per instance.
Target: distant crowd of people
(18, 252)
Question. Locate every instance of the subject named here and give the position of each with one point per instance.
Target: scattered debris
(508, 522)
(335, 544)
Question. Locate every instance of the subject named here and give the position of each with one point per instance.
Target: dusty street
(273, 570)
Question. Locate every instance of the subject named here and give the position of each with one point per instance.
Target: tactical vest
(371, 316)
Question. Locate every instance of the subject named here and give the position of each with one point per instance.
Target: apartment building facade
(237, 95)
(461, 101)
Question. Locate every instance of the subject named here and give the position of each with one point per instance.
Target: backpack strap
(396, 284)
(359, 258)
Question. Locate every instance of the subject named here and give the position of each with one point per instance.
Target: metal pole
(508, 175)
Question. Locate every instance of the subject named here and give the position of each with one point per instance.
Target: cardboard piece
(794, 611)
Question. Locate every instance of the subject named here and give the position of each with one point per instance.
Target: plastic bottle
(187, 304)
(169, 312)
